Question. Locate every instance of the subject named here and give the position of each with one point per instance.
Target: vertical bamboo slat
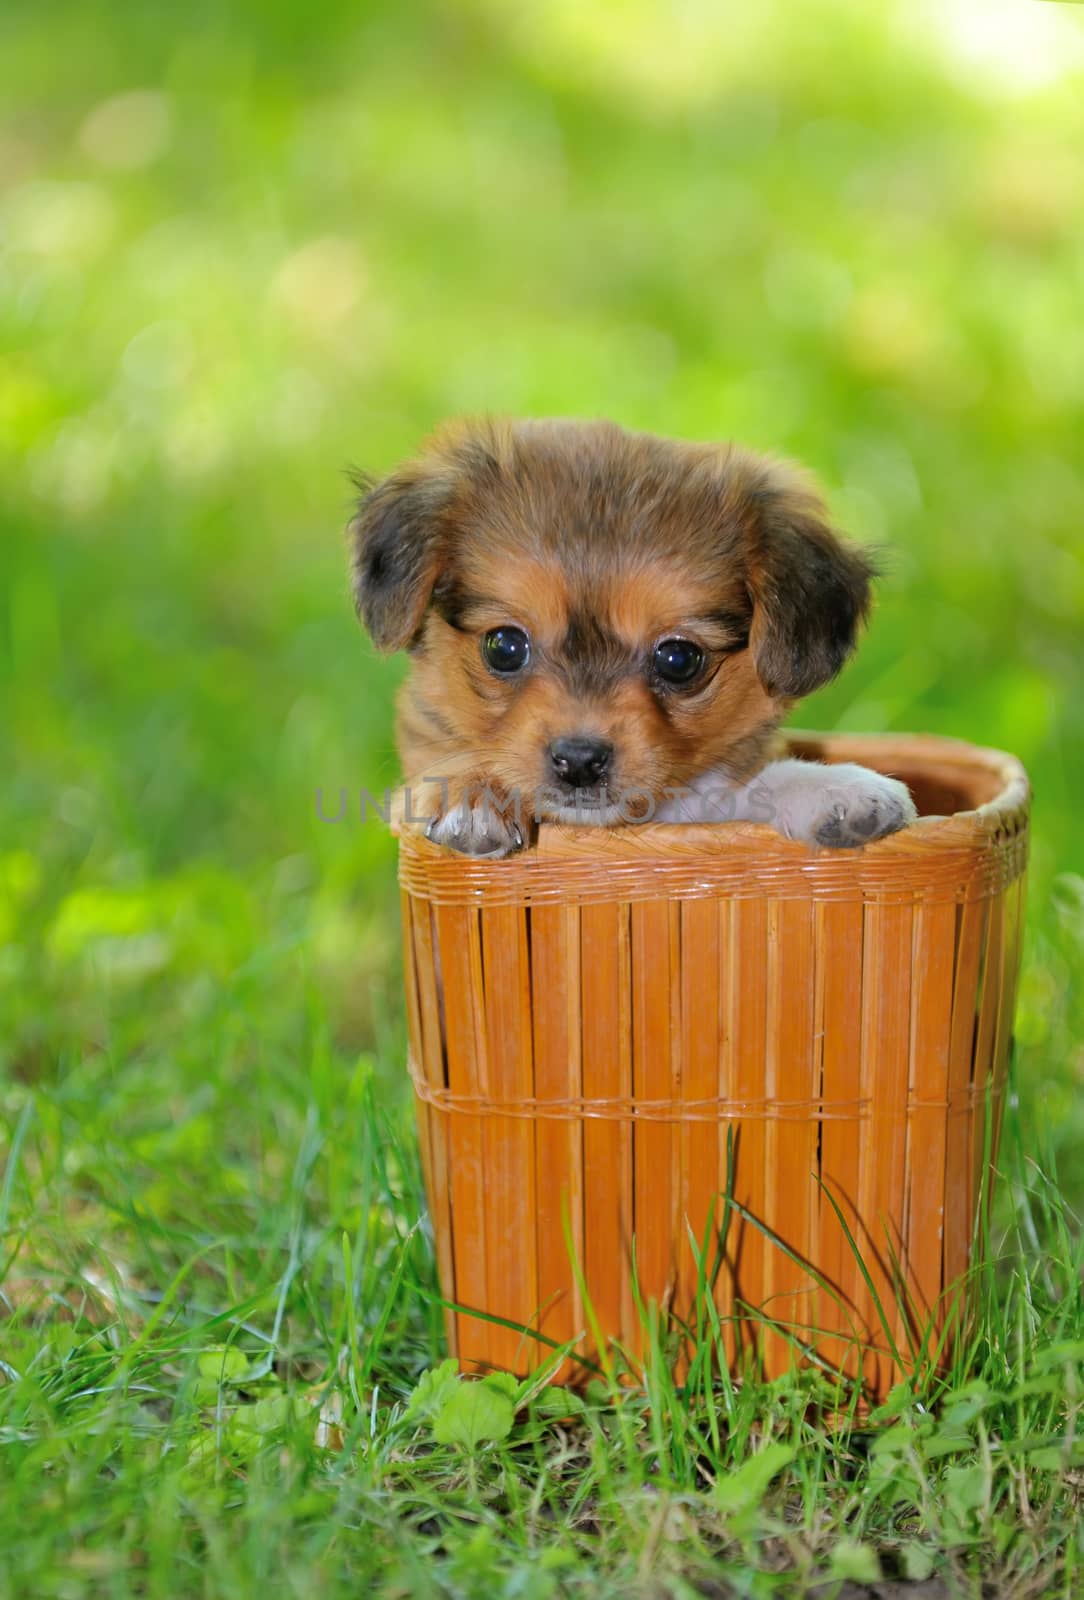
(972, 919)
(555, 969)
(886, 1039)
(511, 1274)
(790, 1144)
(748, 1012)
(700, 1211)
(592, 1023)
(607, 1140)
(456, 932)
(838, 1029)
(933, 960)
(725, 1079)
(427, 1050)
(984, 1063)
(678, 1235)
(653, 1078)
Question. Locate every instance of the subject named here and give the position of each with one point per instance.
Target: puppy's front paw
(841, 807)
(861, 810)
(476, 829)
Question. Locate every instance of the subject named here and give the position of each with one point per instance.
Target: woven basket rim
(992, 826)
(1005, 813)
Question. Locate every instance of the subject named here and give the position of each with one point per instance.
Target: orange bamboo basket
(625, 1040)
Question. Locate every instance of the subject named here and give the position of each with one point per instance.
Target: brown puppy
(606, 626)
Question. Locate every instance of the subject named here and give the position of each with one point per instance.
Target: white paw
(842, 807)
(477, 828)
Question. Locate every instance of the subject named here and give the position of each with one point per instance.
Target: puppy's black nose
(582, 761)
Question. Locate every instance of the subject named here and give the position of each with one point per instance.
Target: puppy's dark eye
(677, 661)
(506, 650)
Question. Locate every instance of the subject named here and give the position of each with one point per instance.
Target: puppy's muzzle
(580, 762)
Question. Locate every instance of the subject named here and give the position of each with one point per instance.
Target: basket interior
(941, 784)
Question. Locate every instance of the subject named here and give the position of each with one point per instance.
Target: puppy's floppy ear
(397, 539)
(810, 590)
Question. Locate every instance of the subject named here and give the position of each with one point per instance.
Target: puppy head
(595, 613)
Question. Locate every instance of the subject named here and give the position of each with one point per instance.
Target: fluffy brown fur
(598, 543)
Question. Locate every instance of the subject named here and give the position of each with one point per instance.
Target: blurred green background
(245, 245)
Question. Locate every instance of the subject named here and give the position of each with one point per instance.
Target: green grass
(317, 232)
(220, 1401)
